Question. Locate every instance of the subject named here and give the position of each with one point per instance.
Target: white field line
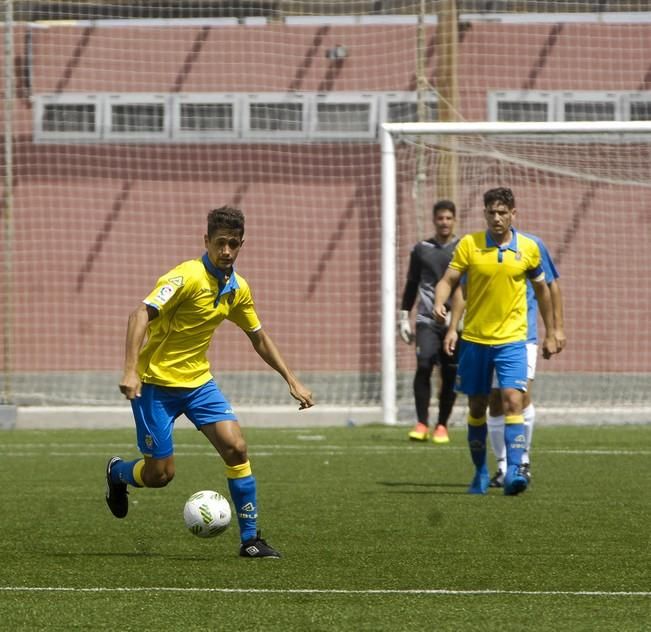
(330, 591)
(90, 450)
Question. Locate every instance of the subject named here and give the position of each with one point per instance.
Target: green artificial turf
(377, 534)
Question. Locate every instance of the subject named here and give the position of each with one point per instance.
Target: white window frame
(137, 98)
(388, 98)
(252, 135)
(589, 96)
(40, 102)
(521, 96)
(344, 98)
(219, 98)
(631, 97)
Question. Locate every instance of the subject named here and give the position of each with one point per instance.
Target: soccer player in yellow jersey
(168, 374)
(496, 264)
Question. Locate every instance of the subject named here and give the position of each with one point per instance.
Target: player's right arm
(444, 288)
(457, 306)
(557, 306)
(130, 384)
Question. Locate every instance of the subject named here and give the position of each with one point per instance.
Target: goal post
(611, 158)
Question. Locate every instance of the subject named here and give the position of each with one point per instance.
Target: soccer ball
(207, 514)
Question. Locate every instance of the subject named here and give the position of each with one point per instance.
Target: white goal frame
(388, 133)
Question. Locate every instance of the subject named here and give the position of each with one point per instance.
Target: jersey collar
(224, 286)
(512, 245)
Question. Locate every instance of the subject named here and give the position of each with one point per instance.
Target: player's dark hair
(501, 195)
(226, 217)
(445, 205)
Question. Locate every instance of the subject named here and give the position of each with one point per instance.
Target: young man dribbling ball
(168, 374)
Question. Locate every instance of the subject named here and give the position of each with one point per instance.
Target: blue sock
(243, 493)
(515, 440)
(123, 472)
(477, 442)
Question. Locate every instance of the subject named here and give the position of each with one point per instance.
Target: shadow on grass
(185, 558)
(412, 489)
(428, 485)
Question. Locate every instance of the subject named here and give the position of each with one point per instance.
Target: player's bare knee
(236, 453)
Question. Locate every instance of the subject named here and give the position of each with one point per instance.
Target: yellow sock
(137, 472)
(238, 471)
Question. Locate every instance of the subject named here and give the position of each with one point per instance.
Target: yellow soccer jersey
(190, 307)
(496, 286)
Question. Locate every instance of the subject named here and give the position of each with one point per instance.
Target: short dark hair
(445, 205)
(500, 194)
(225, 217)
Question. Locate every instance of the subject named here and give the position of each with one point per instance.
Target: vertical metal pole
(388, 284)
(447, 88)
(421, 87)
(7, 394)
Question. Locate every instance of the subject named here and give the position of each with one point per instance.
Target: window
(268, 116)
(402, 107)
(637, 106)
(69, 117)
(589, 106)
(588, 111)
(137, 117)
(522, 111)
(206, 117)
(276, 117)
(343, 116)
(66, 117)
(520, 107)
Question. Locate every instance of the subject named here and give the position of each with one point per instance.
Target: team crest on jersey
(518, 256)
(164, 294)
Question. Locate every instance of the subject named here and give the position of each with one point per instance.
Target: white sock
(529, 414)
(496, 434)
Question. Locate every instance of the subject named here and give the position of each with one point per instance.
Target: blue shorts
(477, 363)
(157, 408)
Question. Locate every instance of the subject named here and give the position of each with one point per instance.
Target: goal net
(125, 122)
(582, 188)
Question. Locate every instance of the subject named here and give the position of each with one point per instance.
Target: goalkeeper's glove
(405, 327)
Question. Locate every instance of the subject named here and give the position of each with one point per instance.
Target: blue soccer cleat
(515, 480)
(480, 482)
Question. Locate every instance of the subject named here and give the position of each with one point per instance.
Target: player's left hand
(450, 341)
(550, 346)
(302, 395)
(130, 385)
(440, 313)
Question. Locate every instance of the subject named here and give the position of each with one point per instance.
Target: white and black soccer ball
(207, 514)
